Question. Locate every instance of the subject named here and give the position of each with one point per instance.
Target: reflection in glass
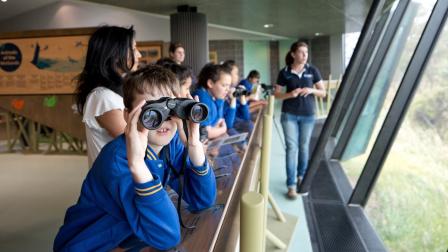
(409, 204)
(384, 88)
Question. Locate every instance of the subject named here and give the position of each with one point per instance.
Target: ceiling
(290, 18)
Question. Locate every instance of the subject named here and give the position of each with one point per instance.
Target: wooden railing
(323, 105)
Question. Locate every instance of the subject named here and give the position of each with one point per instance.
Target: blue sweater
(240, 112)
(112, 207)
(247, 84)
(215, 107)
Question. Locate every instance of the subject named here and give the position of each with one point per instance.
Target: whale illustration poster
(41, 65)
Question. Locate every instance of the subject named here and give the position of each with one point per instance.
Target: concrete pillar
(190, 29)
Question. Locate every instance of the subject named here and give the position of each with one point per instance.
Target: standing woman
(111, 54)
(177, 53)
(302, 81)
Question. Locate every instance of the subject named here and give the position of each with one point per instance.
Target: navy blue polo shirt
(300, 105)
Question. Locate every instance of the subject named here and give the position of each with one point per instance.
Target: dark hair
(182, 72)
(253, 74)
(174, 46)
(210, 72)
(165, 62)
(289, 59)
(152, 79)
(228, 65)
(107, 54)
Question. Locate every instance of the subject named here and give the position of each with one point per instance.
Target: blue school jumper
(215, 107)
(112, 207)
(247, 84)
(239, 113)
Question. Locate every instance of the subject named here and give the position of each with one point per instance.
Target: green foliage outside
(409, 204)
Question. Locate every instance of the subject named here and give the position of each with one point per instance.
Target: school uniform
(112, 207)
(215, 107)
(238, 118)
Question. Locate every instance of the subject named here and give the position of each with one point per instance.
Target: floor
(277, 186)
(35, 191)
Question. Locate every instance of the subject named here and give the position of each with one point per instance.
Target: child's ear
(126, 114)
(209, 83)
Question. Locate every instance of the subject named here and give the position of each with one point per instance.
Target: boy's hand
(195, 148)
(136, 144)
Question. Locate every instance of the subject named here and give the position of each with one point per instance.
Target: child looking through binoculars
(123, 197)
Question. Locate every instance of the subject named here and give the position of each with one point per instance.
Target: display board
(150, 51)
(47, 62)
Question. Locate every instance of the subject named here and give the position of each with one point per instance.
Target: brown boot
(291, 193)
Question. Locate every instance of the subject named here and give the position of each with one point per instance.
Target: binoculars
(240, 91)
(154, 113)
(266, 87)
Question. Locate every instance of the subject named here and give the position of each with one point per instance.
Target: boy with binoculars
(123, 199)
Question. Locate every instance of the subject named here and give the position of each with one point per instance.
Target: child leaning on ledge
(123, 196)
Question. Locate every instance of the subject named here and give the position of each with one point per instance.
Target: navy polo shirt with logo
(300, 105)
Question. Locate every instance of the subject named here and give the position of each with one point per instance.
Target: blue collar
(151, 154)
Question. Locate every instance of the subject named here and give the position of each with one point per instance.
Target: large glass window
(373, 44)
(409, 205)
(384, 88)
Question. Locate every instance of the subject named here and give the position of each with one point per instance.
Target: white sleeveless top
(99, 101)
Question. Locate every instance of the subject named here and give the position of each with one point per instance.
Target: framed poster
(150, 51)
(48, 61)
(213, 57)
(42, 62)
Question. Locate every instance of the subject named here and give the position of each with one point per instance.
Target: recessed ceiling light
(317, 34)
(4, 1)
(268, 25)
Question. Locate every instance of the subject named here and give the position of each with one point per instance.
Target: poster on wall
(47, 62)
(41, 65)
(150, 51)
(213, 57)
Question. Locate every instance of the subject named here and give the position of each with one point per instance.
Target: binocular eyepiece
(154, 113)
(240, 90)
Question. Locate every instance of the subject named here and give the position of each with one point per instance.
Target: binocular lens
(151, 119)
(198, 113)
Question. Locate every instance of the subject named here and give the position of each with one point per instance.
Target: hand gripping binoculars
(154, 113)
(240, 90)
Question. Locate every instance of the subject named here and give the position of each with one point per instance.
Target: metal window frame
(370, 79)
(379, 28)
(343, 93)
(400, 104)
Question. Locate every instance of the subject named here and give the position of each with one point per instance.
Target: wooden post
(251, 229)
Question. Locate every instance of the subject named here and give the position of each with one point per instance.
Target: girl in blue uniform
(213, 85)
(236, 109)
(123, 196)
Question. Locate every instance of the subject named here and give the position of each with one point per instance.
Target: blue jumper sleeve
(229, 115)
(149, 210)
(199, 187)
(243, 111)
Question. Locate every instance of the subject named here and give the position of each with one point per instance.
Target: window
(409, 204)
(384, 87)
(350, 40)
